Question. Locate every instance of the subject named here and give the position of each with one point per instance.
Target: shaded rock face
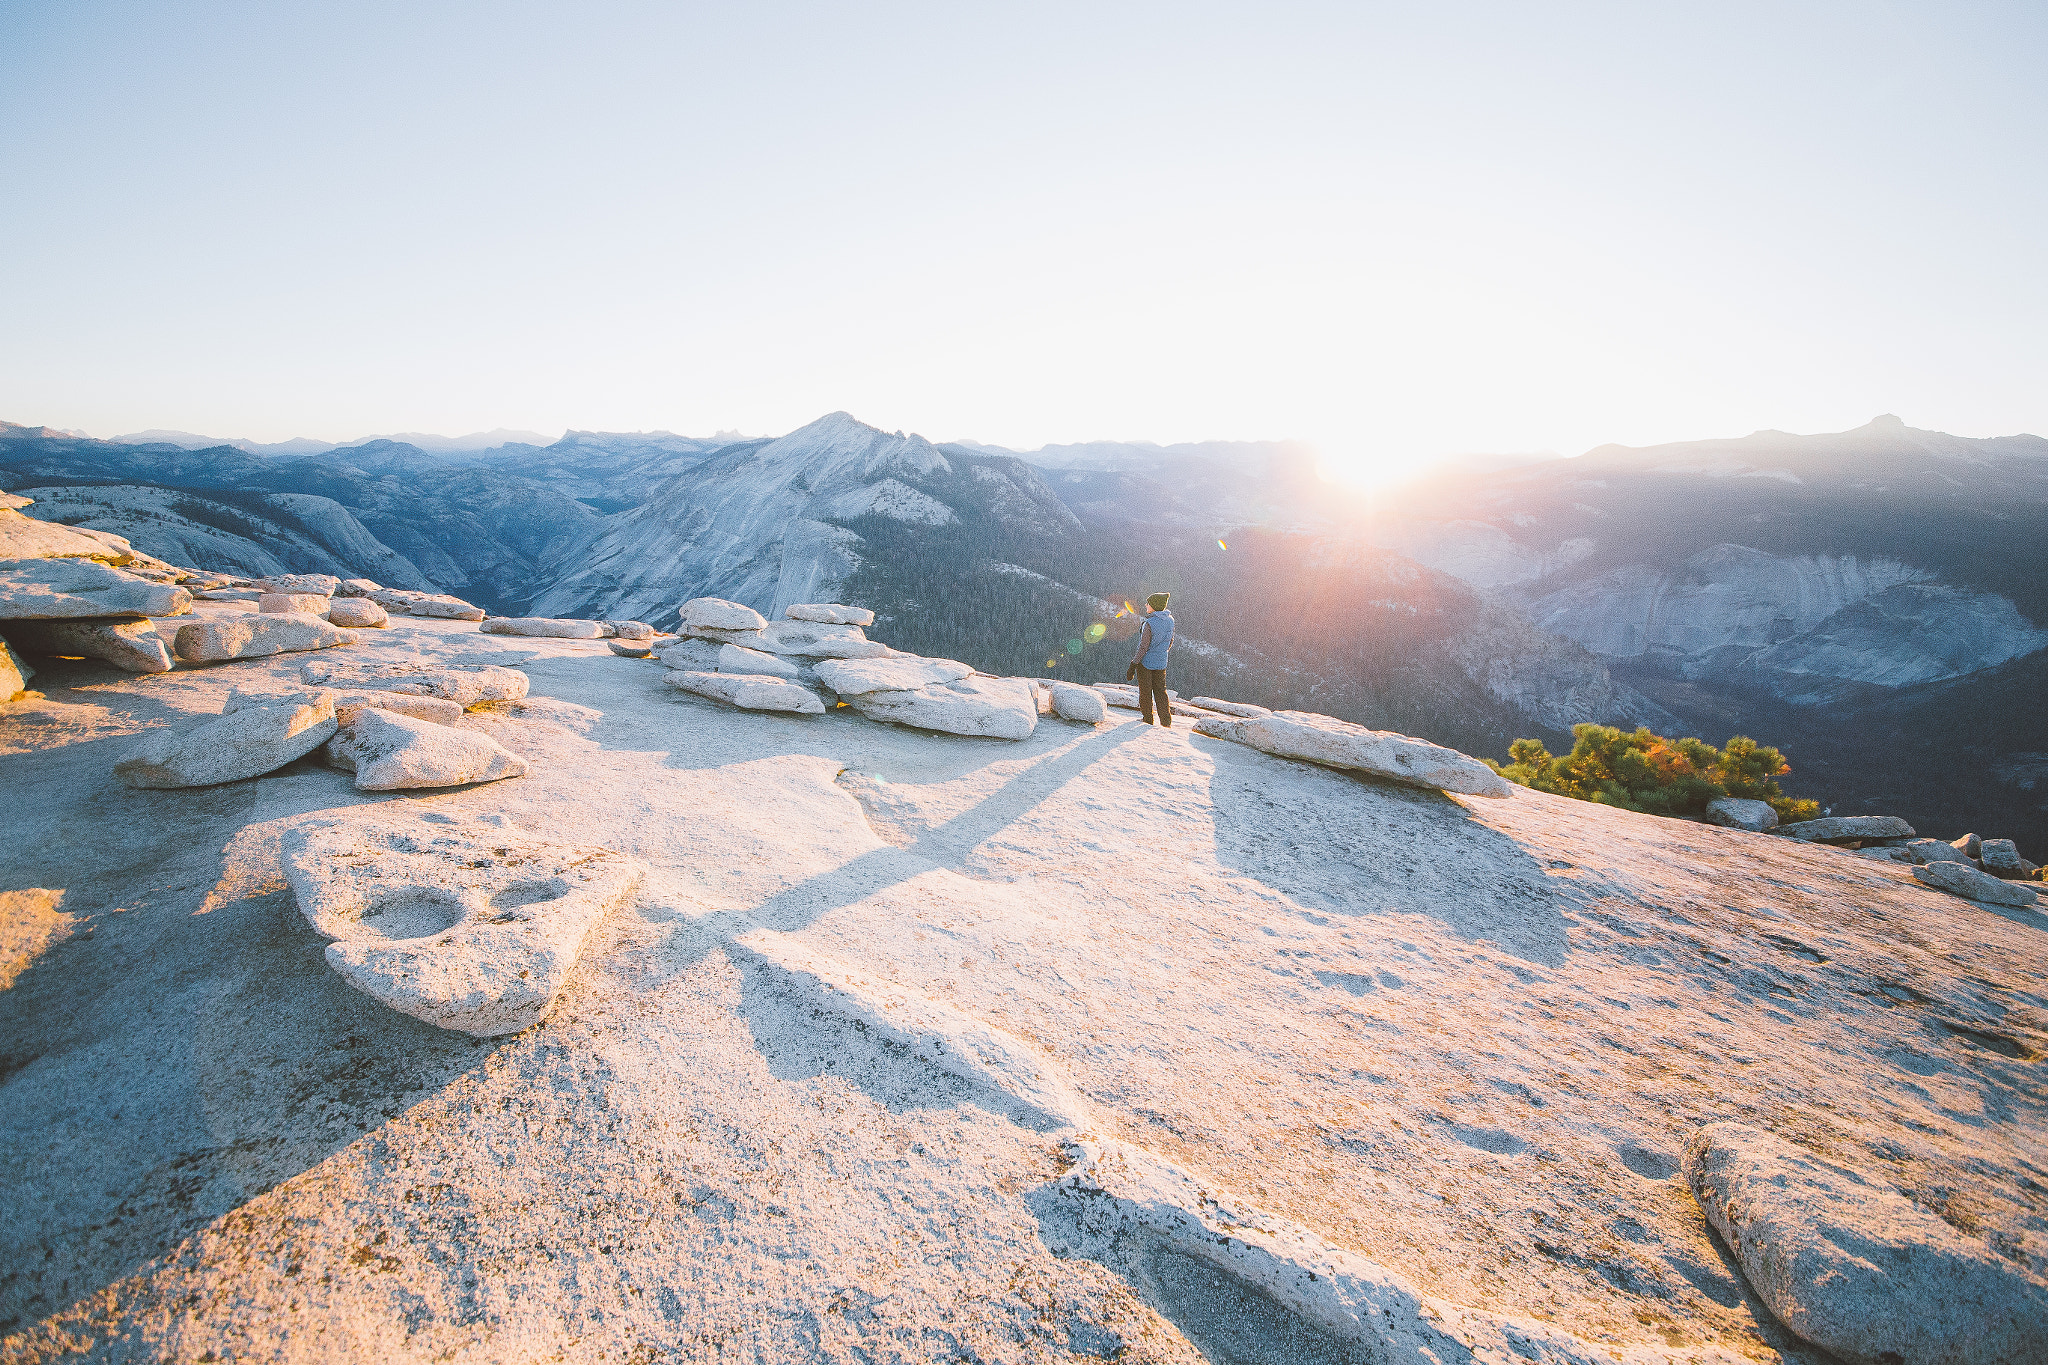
(389, 751)
(132, 646)
(740, 659)
(1842, 829)
(78, 589)
(1856, 1268)
(247, 742)
(462, 924)
(1960, 879)
(1071, 701)
(2001, 858)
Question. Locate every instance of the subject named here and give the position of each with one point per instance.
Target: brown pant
(1152, 692)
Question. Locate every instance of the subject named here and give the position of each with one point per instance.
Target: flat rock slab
(256, 636)
(1243, 710)
(388, 752)
(466, 684)
(900, 673)
(715, 613)
(751, 691)
(311, 603)
(438, 710)
(1734, 812)
(356, 613)
(319, 584)
(463, 924)
(426, 604)
(631, 649)
(1933, 851)
(992, 708)
(248, 742)
(1843, 829)
(805, 639)
(1855, 1267)
(78, 589)
(543, 626)
(740, 659)
(1382, 753)
(133, 646)
(829, 613)
(1960, 879)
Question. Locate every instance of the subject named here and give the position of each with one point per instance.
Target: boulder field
(725, 1035)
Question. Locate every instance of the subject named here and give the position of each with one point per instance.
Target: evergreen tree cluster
(1647, 772)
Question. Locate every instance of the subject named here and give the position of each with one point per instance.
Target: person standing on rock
(1148, 665)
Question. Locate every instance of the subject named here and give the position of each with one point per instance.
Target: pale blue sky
(1398, 230)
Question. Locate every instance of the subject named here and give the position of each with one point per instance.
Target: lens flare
(1095, 632)
(1221, 546)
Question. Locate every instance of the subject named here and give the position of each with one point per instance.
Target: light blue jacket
(1154, 656)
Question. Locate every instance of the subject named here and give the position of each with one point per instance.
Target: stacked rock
(78, 593)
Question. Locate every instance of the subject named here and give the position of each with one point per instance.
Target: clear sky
(1399, 230)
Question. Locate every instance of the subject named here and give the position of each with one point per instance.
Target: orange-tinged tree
(1643, 771)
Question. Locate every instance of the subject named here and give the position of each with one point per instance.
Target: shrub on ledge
(1647, 772)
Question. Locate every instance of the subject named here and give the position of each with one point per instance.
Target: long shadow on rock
(1344, 845)
(1229, 1321)
(226, 1060)
(942, 846)
(800, 1040)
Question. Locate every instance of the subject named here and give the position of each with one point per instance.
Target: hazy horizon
(1395, 235)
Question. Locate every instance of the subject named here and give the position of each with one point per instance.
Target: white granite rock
(813, 640)
(1071, 701)
(631, 649)
(997, 708)
(392, 752)
(14, 673)
(1734, 812)
(311, 603)
(254, 636)
(356, 613)
(319, 584)
(438, 710)
(356, 587)
(1961, 879)
(901, 673)
(739, 659)
(1856, 1268)
(1382, 753)
(830, 613)
(247, 742)
(462, 924)
(466, 684)
(544, 627)
(715, 613)
(78, 589)
(751, 691)
(1231, 708)
(133, 646)
(1969, 845)
(630, 630)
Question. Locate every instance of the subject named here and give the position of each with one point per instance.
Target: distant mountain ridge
(1776, 584)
